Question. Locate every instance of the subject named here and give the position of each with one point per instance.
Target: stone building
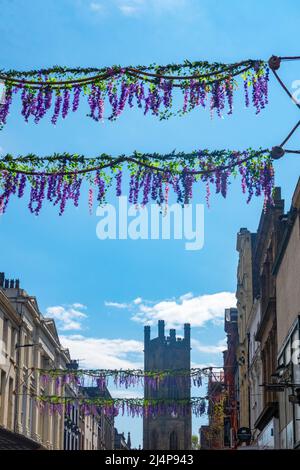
(231, 371)
(97, 428)
(244, 295)
(120, 441)
(167, 431)
(286, 269)
(257, 353)
(268, 238)
(72, 428)
(255, 369)
(28, 341)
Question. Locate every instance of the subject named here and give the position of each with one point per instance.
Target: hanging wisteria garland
(133, 407)
(59, 178)
(122, 378)
(58, 90)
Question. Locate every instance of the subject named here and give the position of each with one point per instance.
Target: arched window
(154, 440)
(174, 441)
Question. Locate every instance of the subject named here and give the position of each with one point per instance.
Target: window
(30, 417)
(288, 353)
(5, 331)
(154, 440)
(24, 405)
(173, 441)
(25, 352)
(12, 343)
(10, 404)
(281, 360)
(2, 396)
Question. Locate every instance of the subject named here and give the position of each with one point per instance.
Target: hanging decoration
(122, 378)
(133, 407)
(58, 178)
(57, 91)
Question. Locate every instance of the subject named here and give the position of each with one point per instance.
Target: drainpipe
(248, 369)
(17, 391)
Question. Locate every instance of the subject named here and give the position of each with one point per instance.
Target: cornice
(9, 309)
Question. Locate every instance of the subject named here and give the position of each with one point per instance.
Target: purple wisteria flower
(57, 106)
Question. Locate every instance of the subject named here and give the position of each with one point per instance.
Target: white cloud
(136, 7)
(137, 301)
(97, 7)
(118, 393)
(196, 310)
(206, 365)
(103, 353)
(115, 304)
(209, 348)
(187, 296)
(67, 317)
(128, 10)
(78, 305)
(167, 5)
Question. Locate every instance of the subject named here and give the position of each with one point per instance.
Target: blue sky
(96, 288)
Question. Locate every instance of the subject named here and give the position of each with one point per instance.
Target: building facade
(244, 295)
(257, 313)
(97, 428)
(212, 435)
(231, 372)
(255, 369)
(287, 272)
(268, 239)
(262, 360)
(165, 432)
(28, 342)
(120, 441)
(72, 428)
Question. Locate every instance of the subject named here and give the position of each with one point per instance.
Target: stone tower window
(173, 441)
(154, 439)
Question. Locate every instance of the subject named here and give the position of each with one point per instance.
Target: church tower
(168, 432)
